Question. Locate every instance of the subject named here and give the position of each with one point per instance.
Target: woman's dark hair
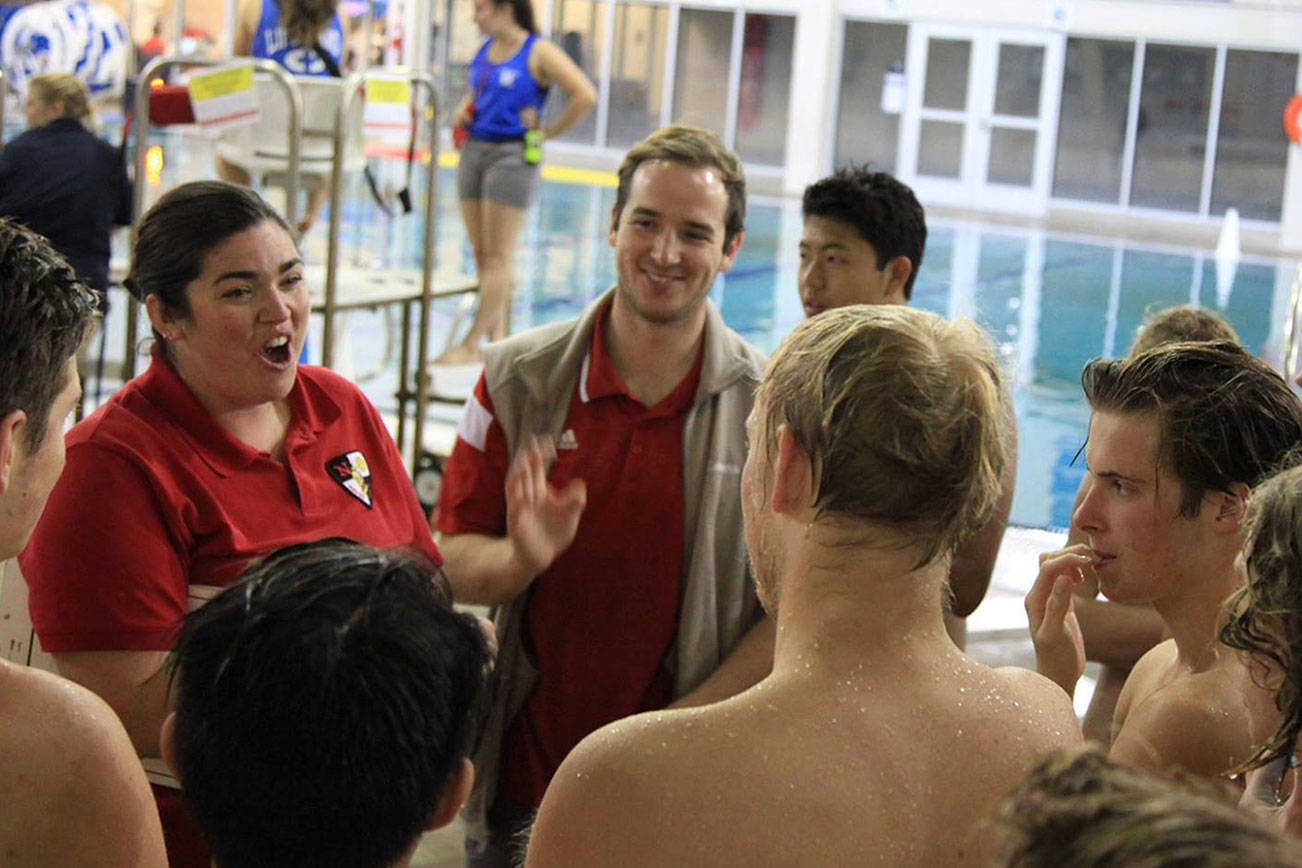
(183, 227)
(305, 19)
(522, 10)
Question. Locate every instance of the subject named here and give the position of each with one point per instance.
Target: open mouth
(276, 351)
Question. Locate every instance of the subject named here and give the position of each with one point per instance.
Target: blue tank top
(271, 41)
(500, 91)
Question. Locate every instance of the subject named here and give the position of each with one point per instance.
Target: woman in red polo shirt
(223, 450)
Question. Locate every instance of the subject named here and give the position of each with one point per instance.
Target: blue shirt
(272, 41)
(501, 91)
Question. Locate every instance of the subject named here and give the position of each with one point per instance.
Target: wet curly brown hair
(1264, 616)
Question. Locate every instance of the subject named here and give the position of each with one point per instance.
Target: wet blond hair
(1078, 809)
(1183, 322)
(902, 415)
(52, 87)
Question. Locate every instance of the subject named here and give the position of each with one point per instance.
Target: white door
(980, 116)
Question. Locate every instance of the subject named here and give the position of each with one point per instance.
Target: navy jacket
(66, 183)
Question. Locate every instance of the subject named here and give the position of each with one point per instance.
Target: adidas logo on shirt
(567, 440)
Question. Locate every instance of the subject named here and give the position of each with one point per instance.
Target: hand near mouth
(1059, 645)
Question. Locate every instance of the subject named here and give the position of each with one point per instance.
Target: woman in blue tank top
(288, 31)
(510, 77)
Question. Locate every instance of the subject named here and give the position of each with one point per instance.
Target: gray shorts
(496, 171)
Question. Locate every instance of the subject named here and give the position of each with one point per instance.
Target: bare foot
(461, 354)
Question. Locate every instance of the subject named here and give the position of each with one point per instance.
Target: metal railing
(1290, 329)
(351, 86)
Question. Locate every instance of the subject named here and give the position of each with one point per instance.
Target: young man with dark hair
(73, 792)
(324, 709)
(1178, 436)
(593, 493)
(865, 233)
(864, 237)
(1118, 634)
(876, 445)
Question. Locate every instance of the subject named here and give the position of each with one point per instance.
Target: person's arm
(461, 114)
(600, 808)
(749, 663)
(108, 586)
(541, 521)
(133, 683)
(551, 65)
(1277, 803)
(84, 799)
(246, 24)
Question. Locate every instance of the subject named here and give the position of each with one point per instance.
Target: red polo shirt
(157, 498)
(601, 620)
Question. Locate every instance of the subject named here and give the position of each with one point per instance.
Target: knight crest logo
(351, 471)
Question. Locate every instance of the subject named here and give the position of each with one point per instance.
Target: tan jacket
(531, 378)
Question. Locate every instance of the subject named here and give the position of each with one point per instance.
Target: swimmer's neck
(1192, 617)
(855, 605)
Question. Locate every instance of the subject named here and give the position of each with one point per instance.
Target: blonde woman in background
(63, 181)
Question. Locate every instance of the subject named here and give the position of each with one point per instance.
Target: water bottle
(533, 147)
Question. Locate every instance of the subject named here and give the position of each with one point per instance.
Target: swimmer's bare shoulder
(1193, 722)
(1045, 703)
(73, 791)
(1145, 676)
(628, 794)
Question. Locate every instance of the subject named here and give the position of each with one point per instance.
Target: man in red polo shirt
(592, 496)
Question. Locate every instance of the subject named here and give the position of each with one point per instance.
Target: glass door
(979, 117)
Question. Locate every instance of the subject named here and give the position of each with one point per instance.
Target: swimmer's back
(811, 772)
(73, 791)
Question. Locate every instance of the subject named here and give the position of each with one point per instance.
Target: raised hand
(1262, 796)
(541, 520)
(1059, 645)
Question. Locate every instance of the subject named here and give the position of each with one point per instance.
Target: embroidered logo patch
(352, 472)
(567, 440)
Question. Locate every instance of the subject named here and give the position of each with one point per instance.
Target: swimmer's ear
(454, 795)
(793, 476)
(167, 743)
(12, 427)
(1231, 507)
